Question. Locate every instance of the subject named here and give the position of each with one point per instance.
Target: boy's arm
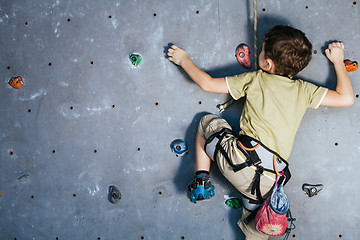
(204, 80)
(343, 96)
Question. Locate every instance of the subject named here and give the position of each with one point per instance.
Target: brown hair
(288, 48)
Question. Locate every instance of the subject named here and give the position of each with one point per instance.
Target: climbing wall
(86, 118)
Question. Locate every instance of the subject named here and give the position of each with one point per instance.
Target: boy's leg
(202, 159)
(201, 188)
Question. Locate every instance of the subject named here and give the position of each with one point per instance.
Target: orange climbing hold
(351, 66)
(16, 82)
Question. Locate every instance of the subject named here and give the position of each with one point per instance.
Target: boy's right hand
(176, 54)
(335, 52)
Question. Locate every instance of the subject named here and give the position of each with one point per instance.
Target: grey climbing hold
(114, 194)
(24, 178)
(312, 189)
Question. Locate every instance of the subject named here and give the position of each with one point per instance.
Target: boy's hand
(335, 52)
(176, 54)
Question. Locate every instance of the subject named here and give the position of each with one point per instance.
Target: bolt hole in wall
(49, 64)
(197, 12)
(29, 110)
(68, 19)
(8, 67)
(156, 104)
(154, 14)
(26, 23)
(53, 151)
(138, 149)
(91, 62)
(357, 95)
(340, 236)
(95, 151)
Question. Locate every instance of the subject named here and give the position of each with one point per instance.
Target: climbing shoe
(201, 189)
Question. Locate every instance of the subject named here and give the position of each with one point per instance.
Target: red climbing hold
(351, 66)
(16, 82)
(243, 56)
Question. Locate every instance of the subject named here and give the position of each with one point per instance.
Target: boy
(274, 107)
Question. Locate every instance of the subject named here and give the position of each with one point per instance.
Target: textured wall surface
(86, 118)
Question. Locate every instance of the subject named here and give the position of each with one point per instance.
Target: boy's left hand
(176, 54)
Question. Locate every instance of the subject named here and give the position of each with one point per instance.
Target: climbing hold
(24, 178)
(179, 147)
(234, 203)
(351, 66)
(243, 56)
(16, 82)
(312, 189)
(114, 194)
(135, 59)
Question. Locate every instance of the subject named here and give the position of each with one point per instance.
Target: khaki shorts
(241, 180)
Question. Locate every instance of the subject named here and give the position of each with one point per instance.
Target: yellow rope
(255, 33)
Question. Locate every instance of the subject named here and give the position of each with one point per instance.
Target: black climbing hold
(312, 189)
(114, 194)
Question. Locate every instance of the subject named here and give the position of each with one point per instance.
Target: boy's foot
(201, 189)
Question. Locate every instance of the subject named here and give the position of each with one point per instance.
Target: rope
(255, 33)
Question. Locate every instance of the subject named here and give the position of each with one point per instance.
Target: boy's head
(288, 49)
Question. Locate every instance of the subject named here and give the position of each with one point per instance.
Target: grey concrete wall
(86, 118)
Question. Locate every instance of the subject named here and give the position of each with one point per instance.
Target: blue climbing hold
(179, 147)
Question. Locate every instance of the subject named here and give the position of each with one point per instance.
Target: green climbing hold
(234, 203)
(135, 59)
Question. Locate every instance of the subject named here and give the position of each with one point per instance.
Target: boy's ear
(269, 65)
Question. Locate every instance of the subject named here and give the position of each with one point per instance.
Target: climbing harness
(244, 144)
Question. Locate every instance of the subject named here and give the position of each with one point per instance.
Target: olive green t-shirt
(274, 107)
